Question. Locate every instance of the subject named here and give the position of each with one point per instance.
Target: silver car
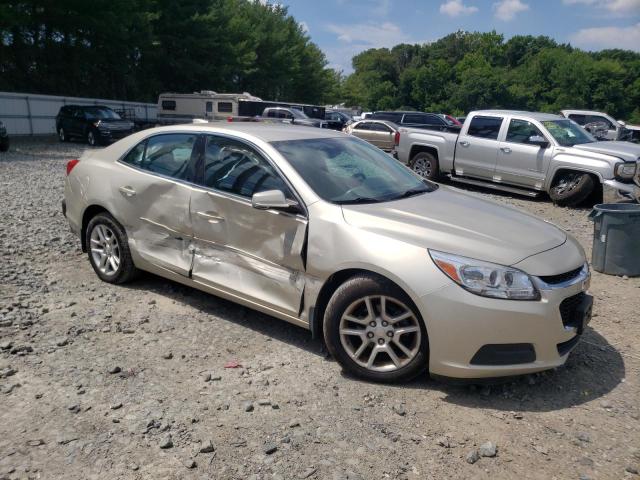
(327, 232)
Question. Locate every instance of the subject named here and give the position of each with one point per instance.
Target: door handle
(505, 149)
(464, 143)
(127, 191)
(211, 217)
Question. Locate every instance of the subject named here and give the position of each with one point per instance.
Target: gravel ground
(101, 381)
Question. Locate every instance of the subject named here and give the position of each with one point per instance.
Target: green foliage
(135, 49)
(465, 71)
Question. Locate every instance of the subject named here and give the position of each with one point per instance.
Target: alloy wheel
(422, 167)
(91, 139)
(61, 135)
(568, 182)
(105, 250)
(380, 333)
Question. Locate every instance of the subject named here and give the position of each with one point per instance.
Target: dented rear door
(152, 191)
(254, 254)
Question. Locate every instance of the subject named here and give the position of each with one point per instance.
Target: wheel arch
(419, 148)
(333, 282)
(90, 212)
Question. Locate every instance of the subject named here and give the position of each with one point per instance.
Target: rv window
(225, 107)
(168, 104)
(209, 107)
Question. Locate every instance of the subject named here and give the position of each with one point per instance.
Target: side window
(485, 127)
(168, 104)
(364, 126)
(520, 131)
(579, 119)
(135, 155)
(78, 113)
(379, 127)
(285, 114)
(234, 167)
(209, 107)
(417, 118)
(271, 114)
(599, 119)
(169, 155)
(225, 107)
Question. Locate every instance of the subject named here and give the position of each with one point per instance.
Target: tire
(62, 135)
(103, 229)
(4, 144)
(571, 188)
(353, 352)
(425, 165)
(92, 138)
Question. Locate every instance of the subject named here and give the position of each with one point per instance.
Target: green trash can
(616, 238)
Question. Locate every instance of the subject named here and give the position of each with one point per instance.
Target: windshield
(101, 113)
(298, 114)
(568, 133)
(349, 170)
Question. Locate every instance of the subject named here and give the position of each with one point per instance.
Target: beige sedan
(381, 133)
(323, 230)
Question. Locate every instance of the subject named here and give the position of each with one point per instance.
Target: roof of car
(374, 120)
(583, 112)
(265, 131)
(540, 116)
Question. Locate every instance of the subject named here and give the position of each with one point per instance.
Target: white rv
(207, 105)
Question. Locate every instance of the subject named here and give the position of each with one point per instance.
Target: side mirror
(271, 199)
(538, 140)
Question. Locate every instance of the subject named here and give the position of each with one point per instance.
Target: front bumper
(473, 337)
(614, 191)
(113, 135)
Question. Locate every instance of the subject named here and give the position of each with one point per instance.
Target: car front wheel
(62, 135)
(108, 250)
(373, 330)
(571, 188)
(92, 138)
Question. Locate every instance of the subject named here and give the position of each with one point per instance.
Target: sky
(342, 28)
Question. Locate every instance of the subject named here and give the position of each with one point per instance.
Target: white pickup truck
(526, 153)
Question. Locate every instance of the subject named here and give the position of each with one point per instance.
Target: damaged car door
(153, 197)
(255, 254)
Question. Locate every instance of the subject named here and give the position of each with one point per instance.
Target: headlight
(626, 170)
(486, 279)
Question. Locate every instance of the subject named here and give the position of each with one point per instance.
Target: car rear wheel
(425, 165)
(571, 188)
(374, 331)
(108, 250)
(92, 138)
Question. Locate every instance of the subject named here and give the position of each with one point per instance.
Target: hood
(458, 223)
(625, 150)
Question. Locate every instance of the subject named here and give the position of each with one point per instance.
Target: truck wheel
(571, 188)
(425, 165)
(373, 329)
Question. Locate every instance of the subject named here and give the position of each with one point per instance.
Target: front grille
(569, 310)
(562, 277)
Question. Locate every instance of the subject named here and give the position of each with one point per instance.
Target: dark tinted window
(422, 119)
(101, 113)
(363, 126)
(379, 127)
(392, 117)
(168, 104)
(599, 119)
(209, 107)
(485, 127)
(168, 155)
(232, 166)
(136, 155)
(520, 131)
(225, 107)
(579, 119)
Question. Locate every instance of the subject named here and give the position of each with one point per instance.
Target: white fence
(32, 114)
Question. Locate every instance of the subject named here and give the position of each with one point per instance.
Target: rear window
(168, 104)
(422, 119)
(485, 127)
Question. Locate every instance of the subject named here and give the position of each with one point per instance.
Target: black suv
(412, 119)
(337, 120)
(93, 123)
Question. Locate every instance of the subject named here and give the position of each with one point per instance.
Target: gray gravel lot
(101, 381)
